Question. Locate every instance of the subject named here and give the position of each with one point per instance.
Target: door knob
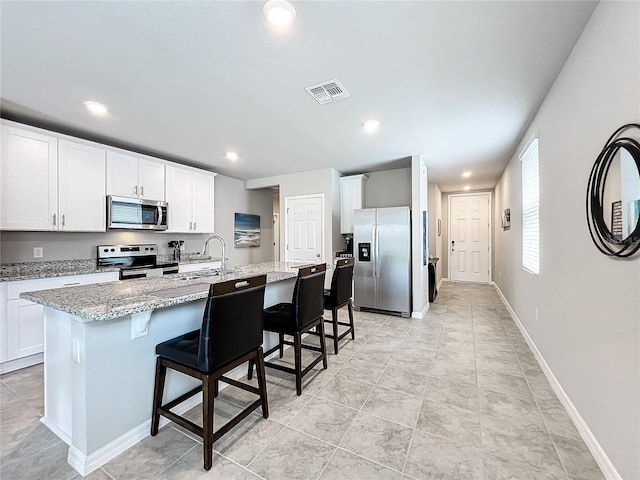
(318, 255)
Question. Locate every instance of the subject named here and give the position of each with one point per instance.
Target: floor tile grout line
(180, 457)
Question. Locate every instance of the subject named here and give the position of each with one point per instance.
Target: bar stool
(339, 296)
(231, 334)
(303, 314)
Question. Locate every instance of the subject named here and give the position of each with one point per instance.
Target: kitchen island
(100, 353)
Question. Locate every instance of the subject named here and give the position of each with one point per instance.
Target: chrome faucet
(224, 250)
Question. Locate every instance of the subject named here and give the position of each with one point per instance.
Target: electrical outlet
(536, 314)
(38, 252)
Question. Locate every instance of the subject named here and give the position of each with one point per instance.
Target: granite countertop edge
(111, 300)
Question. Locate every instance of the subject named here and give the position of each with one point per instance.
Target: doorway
(470, 237)
(304, 228)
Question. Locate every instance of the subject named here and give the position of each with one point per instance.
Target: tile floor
(457, 395)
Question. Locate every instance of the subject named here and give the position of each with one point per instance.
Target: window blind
(530, 208)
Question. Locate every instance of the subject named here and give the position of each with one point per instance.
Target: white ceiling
(454, 81)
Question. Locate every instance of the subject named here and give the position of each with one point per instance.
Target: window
(530, 208)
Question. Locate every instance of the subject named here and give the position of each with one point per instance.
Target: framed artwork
(246, 230)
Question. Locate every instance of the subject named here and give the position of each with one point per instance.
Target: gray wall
(588, 329)
(230, 197)
(391, 188)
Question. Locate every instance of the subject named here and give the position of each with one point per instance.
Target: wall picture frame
(246, 230)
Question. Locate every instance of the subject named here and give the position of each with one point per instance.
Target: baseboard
(596, 450)
(420, 315)
(440, 282)
(18, 363)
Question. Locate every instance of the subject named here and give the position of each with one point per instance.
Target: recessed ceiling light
(96, 108)
(466, 174)
(279, 12)
(467, 187)
(233, 156)
(371, 126)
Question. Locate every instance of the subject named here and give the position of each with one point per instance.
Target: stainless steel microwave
(136, 213)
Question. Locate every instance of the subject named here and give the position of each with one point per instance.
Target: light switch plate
(38, 252)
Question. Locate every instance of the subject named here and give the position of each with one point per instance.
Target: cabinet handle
(63, 219)
(135, 189)
(54, 220)
(190, 223)
(142, 191)
(71, 284)
(194, 225)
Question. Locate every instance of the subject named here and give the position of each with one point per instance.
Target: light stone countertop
(106, 301)
(11, 272)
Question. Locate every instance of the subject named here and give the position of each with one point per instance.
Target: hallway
(457, 395)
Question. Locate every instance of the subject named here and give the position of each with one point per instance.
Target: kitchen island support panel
(98, 393)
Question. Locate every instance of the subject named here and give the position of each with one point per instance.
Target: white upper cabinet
(29, 180)
(51, 184)
(190, 196)
(130, 176)
(352, 197)
(81, 187)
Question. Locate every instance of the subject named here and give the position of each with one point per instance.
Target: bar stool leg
(334, 317)
(297, 347)
(323, 344)
(262, 383)
(250, 370)
(208, 390)
(281, 340)
(353, 328)
(161, 373)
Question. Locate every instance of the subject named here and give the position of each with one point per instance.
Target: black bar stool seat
(231, 335)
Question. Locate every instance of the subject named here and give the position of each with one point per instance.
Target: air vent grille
(328, 92)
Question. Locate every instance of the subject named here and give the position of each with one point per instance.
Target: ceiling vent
(328, 92)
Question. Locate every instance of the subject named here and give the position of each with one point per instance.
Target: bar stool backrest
(232, 321)
(308, 295)
(342, 281)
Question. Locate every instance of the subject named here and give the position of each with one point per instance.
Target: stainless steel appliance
(382, 250)
(134, 261)
(136, 213)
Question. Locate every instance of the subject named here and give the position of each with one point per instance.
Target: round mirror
(613, 196)
(621, 196)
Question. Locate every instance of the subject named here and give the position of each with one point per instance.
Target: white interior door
(305, 227)
(276, 237)
(469, 237)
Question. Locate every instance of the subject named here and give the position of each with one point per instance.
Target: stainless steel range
(134, 261)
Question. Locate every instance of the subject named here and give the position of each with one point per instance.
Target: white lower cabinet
(22, 321)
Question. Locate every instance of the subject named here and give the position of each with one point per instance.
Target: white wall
(589, 305)
(435, 213)
(419, 271)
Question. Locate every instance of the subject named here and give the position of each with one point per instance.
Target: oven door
(135, 213)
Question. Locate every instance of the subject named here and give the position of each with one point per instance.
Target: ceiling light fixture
(233, 156)
(466, 187)
(279, 12)
(96, 108)
(371, 126)
(466, 174)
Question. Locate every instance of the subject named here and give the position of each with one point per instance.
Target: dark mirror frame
(601, 234)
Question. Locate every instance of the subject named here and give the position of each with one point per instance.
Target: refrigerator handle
(376, 243)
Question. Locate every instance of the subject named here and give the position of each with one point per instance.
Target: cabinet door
(28, 180)
(25, 328)
(179, 197)
(151, 180)
(122, 175)
(203, 211)
(81, 183)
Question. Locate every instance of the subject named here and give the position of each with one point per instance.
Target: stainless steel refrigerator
(382, 250)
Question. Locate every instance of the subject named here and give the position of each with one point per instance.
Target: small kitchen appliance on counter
(134, 261)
